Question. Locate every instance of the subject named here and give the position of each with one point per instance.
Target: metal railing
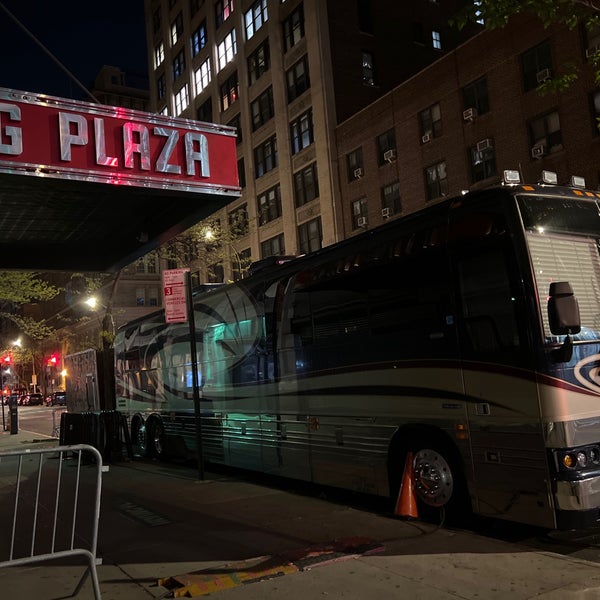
(52, 496)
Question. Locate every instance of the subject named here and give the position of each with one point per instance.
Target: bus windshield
(563, 237)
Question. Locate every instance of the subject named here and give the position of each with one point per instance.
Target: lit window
(258, 62)
(202, 76)
(483, 160)
(227, 49)
(159, 54)
(293, 28)
(176, 29)
(182, 99)
(223, 9)
(368, 70)
(436, 40)
(269, 205)
(229, 91)
(436, 181)
(199, 39)
(255, 18)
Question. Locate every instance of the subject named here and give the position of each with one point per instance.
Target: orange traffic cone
(406, 505)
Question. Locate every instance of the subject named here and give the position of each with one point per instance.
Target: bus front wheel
(438, 482)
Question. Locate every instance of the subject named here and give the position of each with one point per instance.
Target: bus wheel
(440, 486)
(139, 438)
(156, 444)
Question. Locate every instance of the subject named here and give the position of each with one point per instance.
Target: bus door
(509, 474)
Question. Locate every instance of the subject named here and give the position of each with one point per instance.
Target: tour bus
(467, 333)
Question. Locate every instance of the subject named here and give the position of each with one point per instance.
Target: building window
(241, 172)
(178, 65)
(202, 76)
(265, 157)
(164, 111)
(237, 123)
(354, 161)
(149, 263)
(391, 203)
(306, 185)
(359, 213)
(418, 33)
(227, 49)
(475, 96)
(430, 121)
(182, 99)
(223, 9)
(259, 62)
(545, 134)
(140, 297)
(262, 109)
(195, 6)
(159, 55)
(537, 65)
(269, 205)
(176, 29)
(140, 265)
(156, 21)
(310, 236)
(386, 147)
(301, 132)
(436, 40)
(483, 160)
(240, 263)
(293, 28)
(365, 18)
(204, 112)
(368, 69)
(161, 86)
(238, 221)
(273, 247)
(298, 80)
(153, 296)
(229, 91)
(199, 39)
(255, 18)
(215, 273)
(436, 181)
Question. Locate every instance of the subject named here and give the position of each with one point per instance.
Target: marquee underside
(69, 225)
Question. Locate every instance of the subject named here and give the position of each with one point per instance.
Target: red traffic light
(52, 361)
(7, 359)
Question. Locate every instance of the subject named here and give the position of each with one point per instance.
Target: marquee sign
(46, 136)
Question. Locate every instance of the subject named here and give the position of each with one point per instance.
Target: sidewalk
(162, 531)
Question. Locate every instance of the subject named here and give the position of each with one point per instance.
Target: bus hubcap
(433, 478)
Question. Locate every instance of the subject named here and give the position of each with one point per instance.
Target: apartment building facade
(464, 119)
(285, 73)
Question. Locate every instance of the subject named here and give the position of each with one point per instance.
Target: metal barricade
(52, 496)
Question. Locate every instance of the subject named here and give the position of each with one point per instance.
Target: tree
(570, 13)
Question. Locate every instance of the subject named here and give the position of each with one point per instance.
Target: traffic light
(7, 359)
(52, 361)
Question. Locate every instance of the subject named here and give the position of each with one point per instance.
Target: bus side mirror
(563, 309)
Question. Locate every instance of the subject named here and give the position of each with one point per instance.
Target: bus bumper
(577, 503)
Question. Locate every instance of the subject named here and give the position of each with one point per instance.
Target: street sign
(175, 298)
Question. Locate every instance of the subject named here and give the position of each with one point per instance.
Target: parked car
(33, 400)
(57, 399)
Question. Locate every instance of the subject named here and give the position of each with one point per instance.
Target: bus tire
(139, 437)
(438, 481)
(156, 438)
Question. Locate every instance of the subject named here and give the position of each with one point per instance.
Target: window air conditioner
(389, 155)
(542, 75)
(538, 150)
(385, 212)
(361, 221)
(426, 138)
(469, 114)
(358, 173)
(484, 145)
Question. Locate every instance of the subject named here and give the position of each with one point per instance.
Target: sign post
(179, 308)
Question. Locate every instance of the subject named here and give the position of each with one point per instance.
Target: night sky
(83, 35)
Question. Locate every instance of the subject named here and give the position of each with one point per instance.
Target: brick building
(461, 121)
